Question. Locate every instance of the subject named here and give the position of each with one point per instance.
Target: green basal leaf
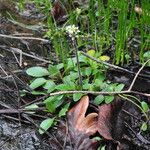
(46, 124)
(32, 106)
(109, 99)
(119, 87)
(37, 72)
(66, 87)
(95, 71)
(77, 96)
(86, 71)
(99, 99)
(50, 86)
(93, 64)
(53, 102)
(100, 76)
(64, 110)
(38, 93)
(147, 55)
(60, 66)
(87, 86)
(71, 63)
(86, 81)
(145, 106)
(144, 126)
(91, 52)
(66, 79)
(54, 71)
(82, 58)
(70, 78)
(98, 82)
(37, 83)
(73, 75)
(109, 87)
(104, 58)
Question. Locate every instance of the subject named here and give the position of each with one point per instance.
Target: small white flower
(72, 30)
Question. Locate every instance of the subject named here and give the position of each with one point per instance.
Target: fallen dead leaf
(104, 121)
(81, 127)
(86, 124)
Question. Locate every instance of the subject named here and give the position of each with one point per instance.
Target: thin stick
(3, 70)
(78, 63)
(16, 58)
(98, 93)
(128, 99)
(24, 37)
(14, 118)
(86, 92)
(9, 111)
(105, 63)
(131, 86)
(3, 143)
(16, 50)
(113, 66)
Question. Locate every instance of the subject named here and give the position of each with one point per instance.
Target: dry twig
(23, 37)
(137, 74)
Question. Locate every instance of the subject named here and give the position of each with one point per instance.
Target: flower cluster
(72, 31)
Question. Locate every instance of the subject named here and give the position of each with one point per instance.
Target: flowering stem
(78, 63)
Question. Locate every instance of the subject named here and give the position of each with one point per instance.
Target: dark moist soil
(19, 132)
(15, 133)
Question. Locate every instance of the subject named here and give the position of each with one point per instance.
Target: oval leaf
(99, 99)
(46, 124)
(77, 96)
(144, 126)
(91, 52)
(109, 99)
(144, 106)
(37, 71)
(119, 87)
(54, 71)
(50, 86)
(65, 87)
(104, 58)
(31, 107)
(37, 83)
(53, 102)
(64, 110)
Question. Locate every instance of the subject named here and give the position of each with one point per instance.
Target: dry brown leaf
(82, 123)
(81, 127)
(104, 121)
(79, 110)
(89, 124)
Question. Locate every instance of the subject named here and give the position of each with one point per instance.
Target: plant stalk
(78, 63)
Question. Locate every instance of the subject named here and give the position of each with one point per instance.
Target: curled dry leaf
(81, 126)
(86, 124)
